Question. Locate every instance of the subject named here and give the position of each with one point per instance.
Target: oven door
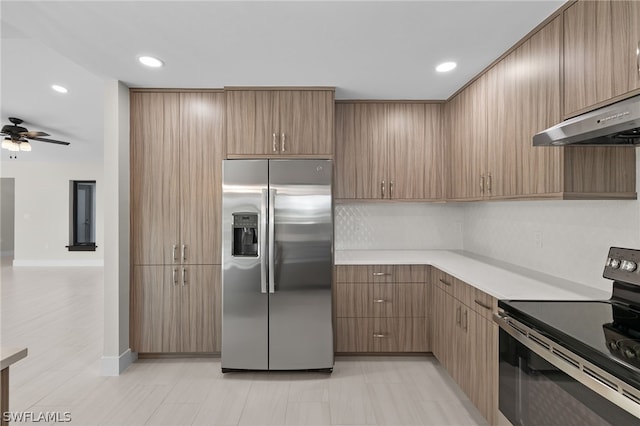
(533, 391)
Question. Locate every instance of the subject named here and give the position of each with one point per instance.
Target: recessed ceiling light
(446, 66)
(59, 89)
(150, 61)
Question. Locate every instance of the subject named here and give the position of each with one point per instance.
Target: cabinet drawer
(442, 280)
(364, 273)
(412, 300)
(382, 335)
(362, 300)
(463, 292)
(485, 304)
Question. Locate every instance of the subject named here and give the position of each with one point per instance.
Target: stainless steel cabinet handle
(175, 281)
(263, 241)
(489, 183)
(638, 57)
(272, 241)
(445, 283)
(390, 189)
(379, 300)
(174, 253)
(183, 250)
(382, 185)
(282, 144)
(275, 147)
(378, 335)
(482, 184)
(458, 314)
(380, 274)
(466, 320)
(479, 303)
(184, 276)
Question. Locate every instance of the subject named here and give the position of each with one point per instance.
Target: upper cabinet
(388, 151)
(176, 150)
(600, 53)
(275, 123)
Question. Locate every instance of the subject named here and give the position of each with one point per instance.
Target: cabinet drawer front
(364, 273)
(412, 300)
(367, 335)
(410, 273)
(485, 304)
(362, 300)
(442, 280)
(463, 292)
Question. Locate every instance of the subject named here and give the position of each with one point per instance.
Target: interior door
(300, 326)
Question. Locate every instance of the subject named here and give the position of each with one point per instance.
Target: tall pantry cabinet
(176, 146)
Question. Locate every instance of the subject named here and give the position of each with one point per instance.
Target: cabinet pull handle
(282, 145)
(466, 320)
(379, 300)
(174, 253)
(183, 250)
(489, 183)
(458, 315)
(175, 281)
(444, 282)
(482, 184)
(638, 57)
(380, 274)
(275, 147)
(479, 303)
(390, 189)
(379, 336)
(184, 276)
(382, 185)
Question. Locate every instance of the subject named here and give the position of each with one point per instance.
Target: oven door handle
(593, 377)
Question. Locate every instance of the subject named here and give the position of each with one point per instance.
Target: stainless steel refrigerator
(277, 232)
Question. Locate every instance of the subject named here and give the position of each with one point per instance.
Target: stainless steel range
(574, 362)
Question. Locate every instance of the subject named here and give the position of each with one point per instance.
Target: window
(82, 228)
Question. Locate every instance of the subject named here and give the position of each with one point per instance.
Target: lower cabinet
(465, 340)
(381, 308)
(176, 309)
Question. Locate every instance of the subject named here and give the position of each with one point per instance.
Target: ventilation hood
(615, 124)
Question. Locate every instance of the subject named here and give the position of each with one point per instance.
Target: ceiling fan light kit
(17, 137)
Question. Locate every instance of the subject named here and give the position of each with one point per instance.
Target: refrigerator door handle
(272, 241)
(263, 241)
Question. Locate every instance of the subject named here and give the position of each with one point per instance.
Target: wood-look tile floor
(58, 314)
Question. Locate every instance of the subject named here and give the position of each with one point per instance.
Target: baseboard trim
(64, 263)
(115, 365)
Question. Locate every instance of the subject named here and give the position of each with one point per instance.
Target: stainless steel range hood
(616, 124)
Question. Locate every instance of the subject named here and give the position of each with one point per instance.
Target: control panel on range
(622, 265)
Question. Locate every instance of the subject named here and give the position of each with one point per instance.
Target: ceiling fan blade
(34, 134)
(50, 141)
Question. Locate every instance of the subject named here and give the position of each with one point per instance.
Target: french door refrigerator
(277, 232)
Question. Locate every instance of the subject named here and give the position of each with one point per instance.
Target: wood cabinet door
(625, 16)
(154, 309)
(588, 58)
(201, 308)
(201, 148)
(155, 200)
(361, 153)
(483, 365)
(306, 122)
(539, 169)
(500, 178)
(252, 122)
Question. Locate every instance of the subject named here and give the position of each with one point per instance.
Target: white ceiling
(367, 50)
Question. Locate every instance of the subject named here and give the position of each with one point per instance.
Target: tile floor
(58, 314)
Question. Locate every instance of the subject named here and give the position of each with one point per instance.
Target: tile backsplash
(394, 226)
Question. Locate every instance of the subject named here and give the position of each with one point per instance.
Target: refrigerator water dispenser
(245, 235)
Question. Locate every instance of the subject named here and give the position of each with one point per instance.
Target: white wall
(42, 212)
(409, 226)
(7, 206)
(568, 239)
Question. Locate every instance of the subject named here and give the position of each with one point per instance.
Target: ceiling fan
(16, 137)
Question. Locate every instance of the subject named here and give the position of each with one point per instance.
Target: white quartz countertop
(11, 356)
(499, 279)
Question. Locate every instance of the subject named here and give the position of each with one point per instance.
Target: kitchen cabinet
(176, 142)
(381, 308)
(600, 53)
(176, 308)
(280, 122)
(465, 339)
(389, 151)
